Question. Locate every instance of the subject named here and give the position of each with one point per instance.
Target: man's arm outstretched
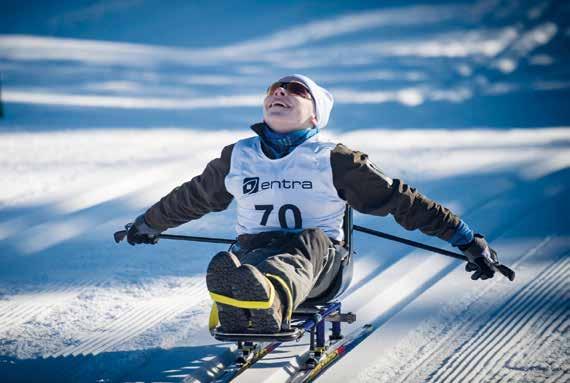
(203, 194)
(368, 190)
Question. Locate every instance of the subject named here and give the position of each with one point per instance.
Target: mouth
(278, 104)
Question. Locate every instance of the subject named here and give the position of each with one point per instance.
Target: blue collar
(278, 145)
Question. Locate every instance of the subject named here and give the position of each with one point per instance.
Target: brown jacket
(356, 179)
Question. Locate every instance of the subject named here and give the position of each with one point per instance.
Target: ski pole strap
(287, 290)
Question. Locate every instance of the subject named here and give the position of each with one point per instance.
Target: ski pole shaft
(196, 239)
(410, 242)
(505, 270)
(120, 235)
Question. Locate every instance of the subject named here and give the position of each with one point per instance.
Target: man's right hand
(140, 232)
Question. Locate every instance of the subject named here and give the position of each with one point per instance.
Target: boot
(232, 319)
(251, 285)
(227, 277)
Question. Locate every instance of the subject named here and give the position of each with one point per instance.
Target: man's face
(285, 111)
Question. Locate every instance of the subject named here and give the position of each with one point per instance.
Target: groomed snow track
(541, 306)
(503, 341)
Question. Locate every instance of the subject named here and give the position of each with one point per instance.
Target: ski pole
(506, 271)
(120, 235)
(409, 242)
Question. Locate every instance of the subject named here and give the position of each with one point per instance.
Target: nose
(279, 91)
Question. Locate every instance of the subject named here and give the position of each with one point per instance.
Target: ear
(314, 120)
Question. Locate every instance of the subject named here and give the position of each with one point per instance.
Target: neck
(278, 145)
(288, 129)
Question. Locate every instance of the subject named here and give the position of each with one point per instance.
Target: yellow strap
(246, 304)
(214, 320)
(287, 292)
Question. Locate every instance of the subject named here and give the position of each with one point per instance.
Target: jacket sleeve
(201, 195)
(364, 187)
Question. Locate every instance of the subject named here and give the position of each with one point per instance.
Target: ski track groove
(98, 337)
(519, 301)
(104, 336)
(135, 322)
(160, 312)
(95, 336)
(466, 357)
(521, 336)
(561, 327)
(167, 314)
(132, 320)
(116, 335)
(477, 349)
(17, 313)
(548, 328)
(449, 364)
(8, 312)
(462, 328)
(140, 328)
(524, 319)
(23, 315)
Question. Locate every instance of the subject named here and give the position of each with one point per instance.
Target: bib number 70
(267, 209)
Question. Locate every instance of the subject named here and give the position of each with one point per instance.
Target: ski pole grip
(506, 271)
(120, 235)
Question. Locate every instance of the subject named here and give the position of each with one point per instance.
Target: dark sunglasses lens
(291, 87)
(273, 87)
(298, 89)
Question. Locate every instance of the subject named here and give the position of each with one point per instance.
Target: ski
(333, 354)
(239, 366)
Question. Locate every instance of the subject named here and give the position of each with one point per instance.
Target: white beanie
(322, 99)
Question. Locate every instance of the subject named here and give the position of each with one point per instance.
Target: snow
(109, 106)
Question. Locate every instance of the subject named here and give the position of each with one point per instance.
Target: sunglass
(295, 88)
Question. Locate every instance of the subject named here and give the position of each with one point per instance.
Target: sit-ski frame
(305, 320)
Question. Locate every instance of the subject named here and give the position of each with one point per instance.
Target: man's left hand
(482, 260)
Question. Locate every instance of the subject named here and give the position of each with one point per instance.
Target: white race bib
(290, 193)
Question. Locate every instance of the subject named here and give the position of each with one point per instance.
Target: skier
(291, 188)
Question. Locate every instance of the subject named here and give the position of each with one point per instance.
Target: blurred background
(390, 64)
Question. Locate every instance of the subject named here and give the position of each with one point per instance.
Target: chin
(282, 123)
(277, 125)
(279, 128)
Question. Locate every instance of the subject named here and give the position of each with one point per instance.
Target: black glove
(140, 232)
(482, 260)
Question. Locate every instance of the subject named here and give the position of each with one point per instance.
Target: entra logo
(252, 185)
